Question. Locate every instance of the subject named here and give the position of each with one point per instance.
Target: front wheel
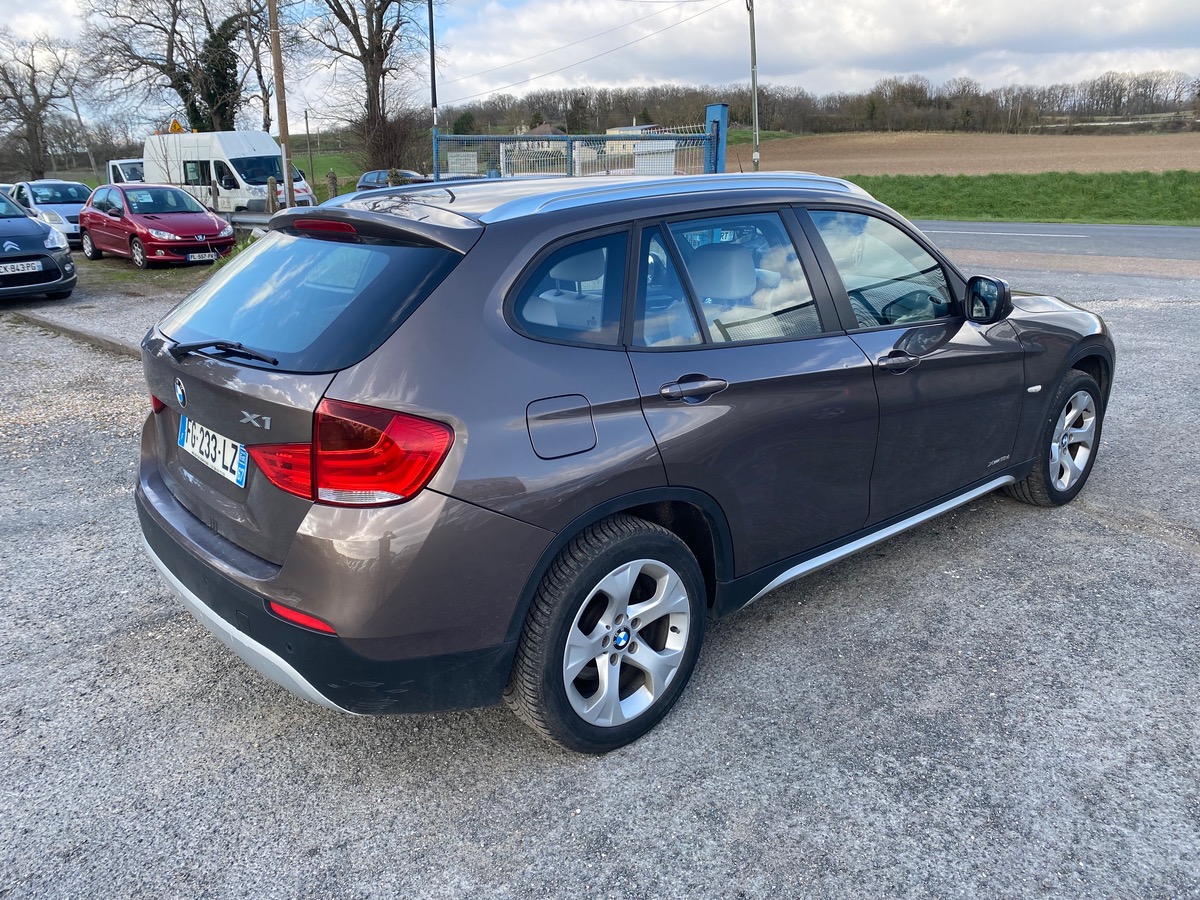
(1068, 445)
(612, 637)
(137, 250)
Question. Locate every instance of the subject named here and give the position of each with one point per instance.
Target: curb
(87, 337)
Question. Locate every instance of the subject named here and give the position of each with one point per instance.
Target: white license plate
(201, 257)
(225, 457)
(17, 268)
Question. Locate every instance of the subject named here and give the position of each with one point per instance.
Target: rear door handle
(693, 388)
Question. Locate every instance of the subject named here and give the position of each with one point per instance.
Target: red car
(152, 223)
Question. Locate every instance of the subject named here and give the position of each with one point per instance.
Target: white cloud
(57, 18)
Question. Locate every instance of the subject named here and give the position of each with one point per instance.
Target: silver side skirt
(265, 660)
(825, 559)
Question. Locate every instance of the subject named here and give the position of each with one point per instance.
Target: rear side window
(317, 305)
(575, 293)
(747, 278)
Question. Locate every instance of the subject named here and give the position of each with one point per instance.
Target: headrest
(581, 267)
(722, 271)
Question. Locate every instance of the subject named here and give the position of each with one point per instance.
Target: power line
(590, 58)
(674, 3)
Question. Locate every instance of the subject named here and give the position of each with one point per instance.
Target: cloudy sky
(819, 45)
(520, 45)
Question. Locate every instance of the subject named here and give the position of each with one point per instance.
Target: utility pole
(433, 97)
(289, 191)
(753, 80)
(432, 68)
(312, 169)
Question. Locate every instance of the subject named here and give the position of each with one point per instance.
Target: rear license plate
(225, 457)
(18, 268)
(201, 257)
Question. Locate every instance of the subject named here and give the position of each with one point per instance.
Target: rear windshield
(317, 305)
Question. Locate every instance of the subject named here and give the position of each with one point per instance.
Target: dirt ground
(926, 153)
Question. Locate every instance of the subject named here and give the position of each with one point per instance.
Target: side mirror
(116, 213)
(229, 183)
(989, 300)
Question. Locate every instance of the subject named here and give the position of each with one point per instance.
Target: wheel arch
(1099, 365)
(692, 516)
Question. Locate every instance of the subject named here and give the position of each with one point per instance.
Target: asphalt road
(1002, 703)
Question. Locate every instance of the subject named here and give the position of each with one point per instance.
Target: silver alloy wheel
(627, 642)
(1072, 444)
(139, 253)
(88, 249)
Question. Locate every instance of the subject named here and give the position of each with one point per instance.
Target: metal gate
(691, 150)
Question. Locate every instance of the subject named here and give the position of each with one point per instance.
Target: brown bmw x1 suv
(444, 445)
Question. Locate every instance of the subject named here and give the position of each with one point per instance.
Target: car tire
(1068, 444)
(90, 250)
(612, 636)
(137, 251)
(58, 295)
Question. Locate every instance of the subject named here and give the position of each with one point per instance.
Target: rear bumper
(319, 667)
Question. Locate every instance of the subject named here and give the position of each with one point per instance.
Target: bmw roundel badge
(180, 393)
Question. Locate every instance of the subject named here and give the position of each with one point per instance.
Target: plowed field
(925, 153)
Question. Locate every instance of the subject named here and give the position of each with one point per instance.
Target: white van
(240, 162)
(122, 171)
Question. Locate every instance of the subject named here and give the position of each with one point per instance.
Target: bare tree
(382, 39)
(175, 46)
(35, 75)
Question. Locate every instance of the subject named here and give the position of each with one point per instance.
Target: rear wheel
(1067, 449)
(137, 250)
(612, 636)
(90, 250)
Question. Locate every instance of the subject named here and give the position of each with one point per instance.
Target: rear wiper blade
(233, 348)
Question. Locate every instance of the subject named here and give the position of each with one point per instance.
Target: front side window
(747, 278)
(575, 293)
(889, 277)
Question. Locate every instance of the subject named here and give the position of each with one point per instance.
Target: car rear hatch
(238, 371)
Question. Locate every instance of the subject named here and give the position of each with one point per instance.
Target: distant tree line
(911, 103)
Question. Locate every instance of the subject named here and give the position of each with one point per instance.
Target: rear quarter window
(317, 305)
(574, 295)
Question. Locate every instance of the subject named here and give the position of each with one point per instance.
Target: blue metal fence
(681, 151)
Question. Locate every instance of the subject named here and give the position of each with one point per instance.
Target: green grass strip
(1123, 198)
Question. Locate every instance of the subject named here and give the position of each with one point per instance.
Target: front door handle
(692, 388)
(899, 362)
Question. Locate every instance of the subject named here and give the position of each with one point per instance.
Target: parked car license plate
(224, 456)
(19, 267)
(200, 257)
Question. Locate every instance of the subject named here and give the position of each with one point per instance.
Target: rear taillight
(360, 456)
(288, 466)
(299, 618)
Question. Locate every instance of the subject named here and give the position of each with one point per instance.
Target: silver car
(57, 203)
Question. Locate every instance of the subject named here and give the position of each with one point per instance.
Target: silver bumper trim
(261, 658)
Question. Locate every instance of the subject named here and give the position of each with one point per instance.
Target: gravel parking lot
(1002, 703)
